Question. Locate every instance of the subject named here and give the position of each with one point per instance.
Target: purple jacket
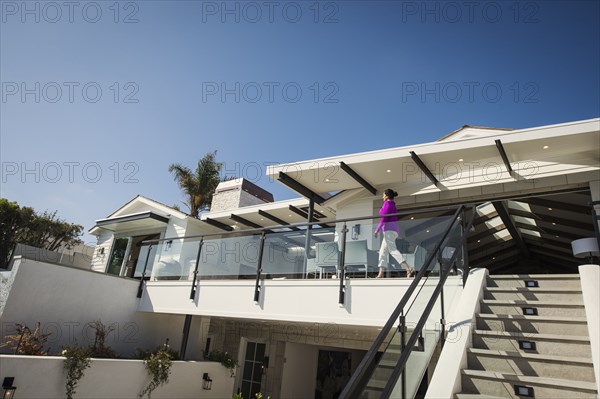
(388, 223)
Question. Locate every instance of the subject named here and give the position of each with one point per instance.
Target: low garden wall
(44, 377)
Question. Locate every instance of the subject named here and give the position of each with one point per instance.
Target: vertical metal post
(259, 267)
(596, 220)
(194, 283)
(443, 319)
(341, 265)
(186, 334)
(307, 239)
(403, 346)
(465, 245)
(141, 286)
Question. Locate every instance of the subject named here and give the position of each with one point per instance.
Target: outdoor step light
(586, 248)
(8, 387)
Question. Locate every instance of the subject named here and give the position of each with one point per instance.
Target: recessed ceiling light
(494, 258)
(545, 147)
(412, 218)
(549, 209)
(460, 160)
(556, 236)
(389, 170)
(553, 223)
(428, 231)
(326, 180)
(290, 215)
(478, 240)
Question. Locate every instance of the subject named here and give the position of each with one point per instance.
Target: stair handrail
(365, 364)
(410, 344)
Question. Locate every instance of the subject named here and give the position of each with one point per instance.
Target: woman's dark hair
(390, 193)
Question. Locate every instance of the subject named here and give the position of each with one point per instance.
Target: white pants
(388, 247)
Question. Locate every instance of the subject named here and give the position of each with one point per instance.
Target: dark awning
(137, 221)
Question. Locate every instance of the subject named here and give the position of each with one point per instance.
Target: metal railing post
(342, 267)
(194, 282)
(402, 347)
(141, 286)
(257, 286)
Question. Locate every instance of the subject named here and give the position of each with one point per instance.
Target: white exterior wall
(43, 377)
(590, 287)
(65, 299)
(99, 260)
(369, 302)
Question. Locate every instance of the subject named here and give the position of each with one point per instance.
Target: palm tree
(200, 185)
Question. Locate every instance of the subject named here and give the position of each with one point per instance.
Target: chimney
(238, 193)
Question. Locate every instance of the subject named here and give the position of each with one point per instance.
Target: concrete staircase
(531, 340)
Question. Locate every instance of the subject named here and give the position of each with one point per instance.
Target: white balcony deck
(368, 302)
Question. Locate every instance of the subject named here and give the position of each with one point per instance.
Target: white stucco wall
(43, 377)
(65, 299)
(590, 287)
(369, 302)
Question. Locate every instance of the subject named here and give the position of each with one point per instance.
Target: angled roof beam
(424, 169)
(548, 218)
(556, 205)
(302, 189)
(303, 214)
(245, 222)
(543, 231)
(487, 232)
(358, 178)
(218, 224)
(276, 220)
(512, 229)
(504, 156)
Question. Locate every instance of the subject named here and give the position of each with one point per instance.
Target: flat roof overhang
(532, 153)
(136, 221)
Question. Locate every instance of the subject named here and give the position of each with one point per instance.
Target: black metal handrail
(350, 391)
(409, 347)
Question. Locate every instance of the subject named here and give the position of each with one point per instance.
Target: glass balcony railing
(326, 249)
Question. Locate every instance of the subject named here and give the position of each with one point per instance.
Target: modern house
(500, 306)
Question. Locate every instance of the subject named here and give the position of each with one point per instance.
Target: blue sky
(98, 98)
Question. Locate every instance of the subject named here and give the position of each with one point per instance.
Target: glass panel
(246, 388)
(229, 257)
(117, 256)
(250, 349)
(247, 371)
(424, 233)
(173, 259)
(260, 352)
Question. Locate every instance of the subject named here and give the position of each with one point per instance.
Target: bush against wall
(158, 364)
(27, 342)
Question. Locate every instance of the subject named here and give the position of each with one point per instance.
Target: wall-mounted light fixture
(206, 382)
(586, 248)
(8, 388)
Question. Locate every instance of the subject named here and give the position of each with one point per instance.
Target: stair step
(543, 280)
(503, 385)
(475, 396)
(515, 307)
(533, 324)
(562, 367)
(546, 344)
(533, 294)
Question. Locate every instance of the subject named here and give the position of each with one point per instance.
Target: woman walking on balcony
(390, 228)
